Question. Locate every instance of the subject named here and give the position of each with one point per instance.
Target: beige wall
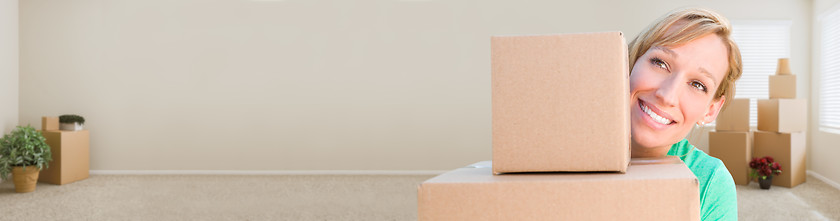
(8, 66)
(824, 145)
(300, 85)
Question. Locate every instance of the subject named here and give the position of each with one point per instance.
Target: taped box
(736, 116)
(71, 156)
(49, 123)
(734, 148)
(782, 115)
(782, 86)
(789, 150)
(474, 193)
(560, 103)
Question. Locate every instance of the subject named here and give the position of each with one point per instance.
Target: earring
(701, 123)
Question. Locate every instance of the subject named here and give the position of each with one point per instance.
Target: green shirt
(718, 199)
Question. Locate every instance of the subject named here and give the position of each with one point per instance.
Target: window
(830, 72)
(762, 43)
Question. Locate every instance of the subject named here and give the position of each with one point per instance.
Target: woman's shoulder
(705, 160)
(699, 162)
(717, 189)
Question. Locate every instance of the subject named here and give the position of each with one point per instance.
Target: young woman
(683, 69)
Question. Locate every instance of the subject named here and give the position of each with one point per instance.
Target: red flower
(765, 166)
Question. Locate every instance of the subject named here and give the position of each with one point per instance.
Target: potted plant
(764, 169)
(23, 153)
(71, 122)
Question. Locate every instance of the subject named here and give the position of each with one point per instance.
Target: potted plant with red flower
(764, 169)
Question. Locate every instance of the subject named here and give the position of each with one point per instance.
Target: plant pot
(25, 180)
(70, 126)
(765, 183)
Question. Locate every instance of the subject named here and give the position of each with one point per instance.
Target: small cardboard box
(782, 86)
(474, 193)
(49, 123)
(786, 148)
(782, 115)
(736, 116)
(71, 156)
(735, 150)
(560, 103)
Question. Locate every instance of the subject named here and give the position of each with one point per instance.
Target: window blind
(762, 43)
(829, 117)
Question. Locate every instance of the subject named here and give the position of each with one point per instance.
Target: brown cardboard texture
(789, 150)
(474, 193)
(783, 67)
(782, 115)
(49, 123)
(71, 156)
(734, 149)
(736, 116)
(782, 86)
(560, 103)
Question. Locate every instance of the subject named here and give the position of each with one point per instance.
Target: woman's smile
(652, 113)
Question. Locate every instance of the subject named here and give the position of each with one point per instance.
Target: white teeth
(656, 117)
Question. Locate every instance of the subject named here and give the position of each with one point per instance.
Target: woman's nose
(666, 94)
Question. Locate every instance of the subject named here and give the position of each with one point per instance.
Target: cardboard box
(474, 193)
(782, 86)
(736, 116)
(49, 123)
(782, 115)
(783, 67)
(735, 150)
(786, 148)
(71, 156)
(560, 103)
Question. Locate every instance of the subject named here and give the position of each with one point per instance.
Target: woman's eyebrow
(707, 74)
(668, 51)
(675, 55)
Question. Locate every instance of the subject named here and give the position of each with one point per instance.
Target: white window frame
(762, 43)
(829, 72)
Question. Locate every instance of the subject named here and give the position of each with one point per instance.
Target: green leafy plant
(24, 147)
(71, 118)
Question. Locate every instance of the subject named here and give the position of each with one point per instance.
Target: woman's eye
(698, 85)
(659, 63)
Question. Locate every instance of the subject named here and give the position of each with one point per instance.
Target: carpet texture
(311, 197)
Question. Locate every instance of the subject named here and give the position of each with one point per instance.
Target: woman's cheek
(693, 108)
(636, 77)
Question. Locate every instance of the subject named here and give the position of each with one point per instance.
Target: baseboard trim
(824, 179)
(267, 172)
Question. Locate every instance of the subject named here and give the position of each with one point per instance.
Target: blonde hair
(692, 23)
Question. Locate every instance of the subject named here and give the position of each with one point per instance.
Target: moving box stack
(561, 142)
(782, 121)
(731, 140)
(70, 152)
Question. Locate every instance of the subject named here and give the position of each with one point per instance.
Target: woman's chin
(648, 140)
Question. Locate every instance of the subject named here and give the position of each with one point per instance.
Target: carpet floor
(311, 197)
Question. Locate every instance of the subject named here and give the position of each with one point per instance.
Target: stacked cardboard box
(782, 123)
(70, 153)
(560, 108)
(474, 193)
(554, 95)
(731, 140)
(786, 148)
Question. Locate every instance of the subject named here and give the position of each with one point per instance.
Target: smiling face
(673, 88)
